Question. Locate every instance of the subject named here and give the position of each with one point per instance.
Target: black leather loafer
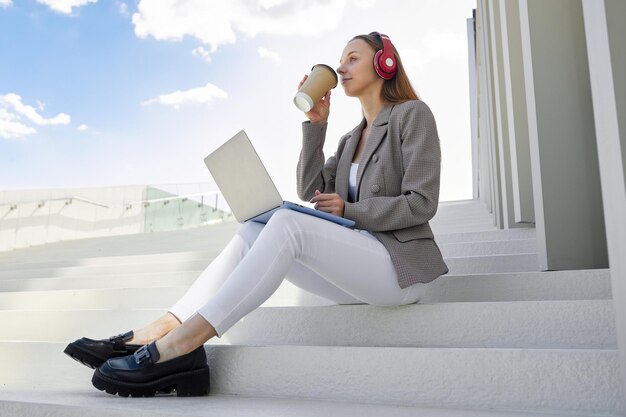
(139, 375)
(93, 353)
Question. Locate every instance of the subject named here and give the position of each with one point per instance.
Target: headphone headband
(384, 60)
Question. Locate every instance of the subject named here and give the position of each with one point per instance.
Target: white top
(352, 193)
(352, 182)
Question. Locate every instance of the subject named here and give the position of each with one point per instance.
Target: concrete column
(499, 121)
(566, 180)
(515, 104)
(494, 142)
(490, 127)
(605, 29)
(471, 55)
(500, 57)
(485, 181)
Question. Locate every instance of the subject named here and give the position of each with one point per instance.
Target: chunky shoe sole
(85, 357)
(194, 383)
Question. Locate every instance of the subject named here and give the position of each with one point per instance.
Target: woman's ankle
(155, 331)
(140, 337)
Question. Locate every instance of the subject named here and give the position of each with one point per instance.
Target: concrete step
(462, 216)
(205, 239)
(138, 280)
(519, 379)
(127, 297)
(524, 262)
(112, 268)
(447, 208)
(96, 299)
(522, 324)
(158, 245)
(171, 235)
(170, 241)
(135, 275)
(535, 324)
(23, 268)
(590, 284)
(9, 265)
(439, 230)
(593, 284)
(85, 402)
(480, 236)
(507, 247)
(514, 379)
(476, 221)
(72, 261)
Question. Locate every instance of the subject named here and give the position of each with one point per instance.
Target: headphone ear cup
(380, 67)
(377, 63)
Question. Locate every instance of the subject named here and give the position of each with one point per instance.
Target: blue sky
(97, 93)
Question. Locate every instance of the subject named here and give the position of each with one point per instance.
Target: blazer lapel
(376, 135)
(345, 161)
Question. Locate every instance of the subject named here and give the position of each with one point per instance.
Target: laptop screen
(242, 178)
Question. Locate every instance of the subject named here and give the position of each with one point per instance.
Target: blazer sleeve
(312, 173)
(421, 159)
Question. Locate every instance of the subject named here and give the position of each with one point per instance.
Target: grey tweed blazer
(397, 184)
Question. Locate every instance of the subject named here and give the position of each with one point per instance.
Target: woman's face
(356, 70)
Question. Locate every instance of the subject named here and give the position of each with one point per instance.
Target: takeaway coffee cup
(321, 79)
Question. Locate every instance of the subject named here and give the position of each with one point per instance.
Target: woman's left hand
(329, 203)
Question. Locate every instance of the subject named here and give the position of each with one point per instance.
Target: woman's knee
(282, 215)
(249, 231)
(285, 218)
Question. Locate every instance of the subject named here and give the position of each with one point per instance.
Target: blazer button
(375, 188)
(375, 158)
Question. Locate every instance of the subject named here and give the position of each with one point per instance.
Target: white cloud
(268, 4)
(12, 112)
(435, 46)
(11, 127)
(15, 101)
(124, 9)
(65, 6)
(202, 53)
(5, 3)
(266, 53)
(215, 23)
(198, 95)
(364, 3)
(83, 127)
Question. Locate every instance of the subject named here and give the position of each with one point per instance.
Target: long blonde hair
(399, 88)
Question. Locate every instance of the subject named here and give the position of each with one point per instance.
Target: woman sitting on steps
(384, 176)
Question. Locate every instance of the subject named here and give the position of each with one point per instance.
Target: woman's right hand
(320, 111)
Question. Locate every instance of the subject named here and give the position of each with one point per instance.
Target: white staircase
(495, 337)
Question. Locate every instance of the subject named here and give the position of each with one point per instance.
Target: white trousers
(343, 265)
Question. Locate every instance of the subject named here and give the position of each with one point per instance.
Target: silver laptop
(248, 188)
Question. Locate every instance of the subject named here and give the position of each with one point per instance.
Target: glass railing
(170, 207)
(33, 217)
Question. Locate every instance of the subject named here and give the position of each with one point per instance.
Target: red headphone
(385, 60)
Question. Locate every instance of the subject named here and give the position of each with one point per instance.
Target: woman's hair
(399, 88)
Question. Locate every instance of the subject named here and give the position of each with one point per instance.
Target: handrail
(178, 197)
(127, 206)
